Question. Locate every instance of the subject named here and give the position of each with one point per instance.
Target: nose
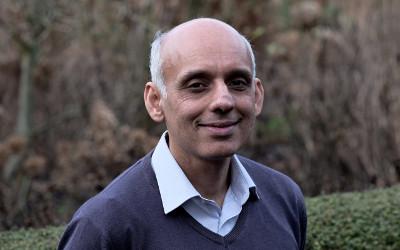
(222, 99)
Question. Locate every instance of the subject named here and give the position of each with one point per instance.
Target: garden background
(71, 94)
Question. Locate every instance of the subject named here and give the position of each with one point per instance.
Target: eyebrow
(240, 73)
(195, 74)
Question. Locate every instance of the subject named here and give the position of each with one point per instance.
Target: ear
(259, 96)
(152, 100)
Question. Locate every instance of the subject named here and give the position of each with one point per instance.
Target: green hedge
(32, 239)
(368, 220)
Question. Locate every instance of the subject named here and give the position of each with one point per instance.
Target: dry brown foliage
(335, 86)
(84, 167)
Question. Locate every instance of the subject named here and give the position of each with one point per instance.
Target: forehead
(204, 45)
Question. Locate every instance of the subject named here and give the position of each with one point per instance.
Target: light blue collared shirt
(176, 190)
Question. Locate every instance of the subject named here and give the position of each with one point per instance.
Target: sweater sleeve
(302, 216)
(83, 234)
(303, 225)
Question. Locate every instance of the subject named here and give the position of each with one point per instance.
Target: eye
(197, 86)
(239, 84)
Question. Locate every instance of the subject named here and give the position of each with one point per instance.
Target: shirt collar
(241, 183)
(175, 188)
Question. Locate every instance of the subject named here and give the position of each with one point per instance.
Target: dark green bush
(368, 220)
(32, 239)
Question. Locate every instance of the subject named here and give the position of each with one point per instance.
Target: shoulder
(273, 186)
(136, 188)
(264, 175)
(279, 193)
(120, 208)
(138, 177)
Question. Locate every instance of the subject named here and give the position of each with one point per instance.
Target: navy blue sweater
(128, 214)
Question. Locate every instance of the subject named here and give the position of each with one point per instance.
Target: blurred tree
(34, 19)
(27, 23)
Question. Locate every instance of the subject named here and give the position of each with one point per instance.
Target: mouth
(220, 128)
(220, 124)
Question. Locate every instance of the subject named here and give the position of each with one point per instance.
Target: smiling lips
(220, 128)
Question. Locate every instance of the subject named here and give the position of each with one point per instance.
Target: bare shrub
(337, 93)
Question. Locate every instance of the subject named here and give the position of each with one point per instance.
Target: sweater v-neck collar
(222, 240)
(187, 218)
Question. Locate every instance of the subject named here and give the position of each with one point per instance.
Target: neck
(210, 177)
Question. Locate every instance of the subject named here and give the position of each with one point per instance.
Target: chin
(220, 152)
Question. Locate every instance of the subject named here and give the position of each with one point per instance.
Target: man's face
(211, 99)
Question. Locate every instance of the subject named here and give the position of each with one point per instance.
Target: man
(193, 191)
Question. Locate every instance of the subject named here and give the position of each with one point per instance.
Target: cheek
(191, 106)
(246, 106)
(181, 111)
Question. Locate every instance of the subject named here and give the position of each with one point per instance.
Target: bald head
(202, 22)
(201, 28)
(193, 34)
